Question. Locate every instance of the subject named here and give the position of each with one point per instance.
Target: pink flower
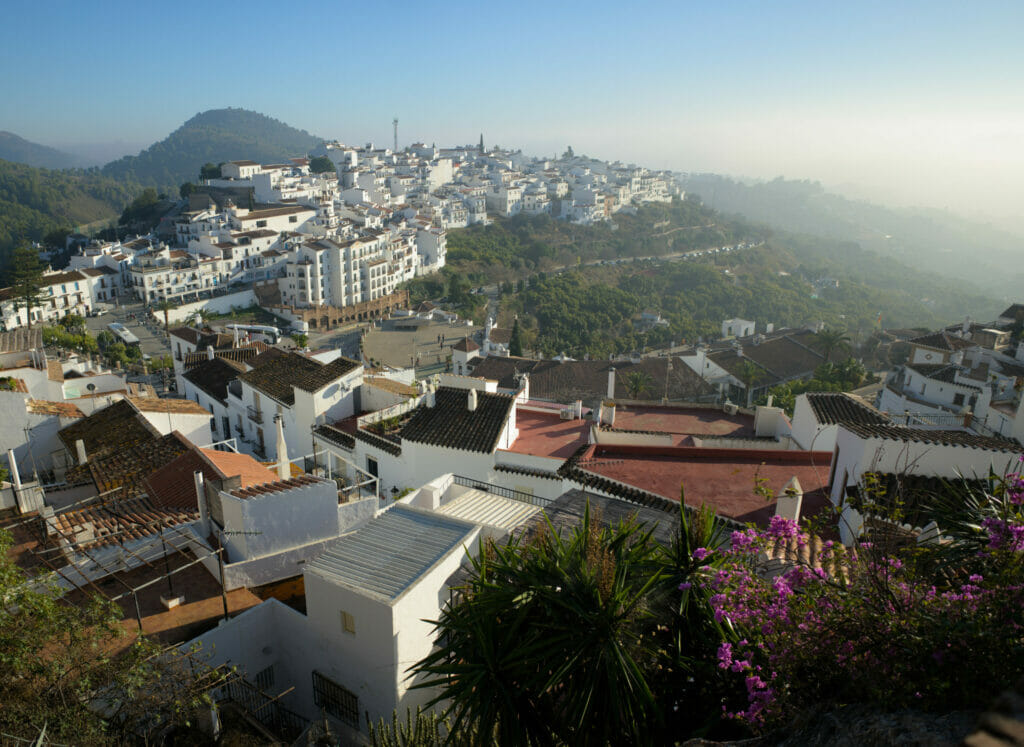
(700, 553)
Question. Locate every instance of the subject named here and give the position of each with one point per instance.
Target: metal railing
(515, 495)
(265, 709)
(255, 415)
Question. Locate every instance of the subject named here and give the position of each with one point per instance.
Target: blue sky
(910, 100)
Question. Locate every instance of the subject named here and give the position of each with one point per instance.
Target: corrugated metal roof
(479, 507)
(385, 557)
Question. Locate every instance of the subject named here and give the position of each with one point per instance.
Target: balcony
(255, 415)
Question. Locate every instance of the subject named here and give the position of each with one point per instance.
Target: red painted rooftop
(721, 478)
(684, 421)
(546, 434)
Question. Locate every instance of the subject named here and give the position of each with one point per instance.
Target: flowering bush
(934, 627)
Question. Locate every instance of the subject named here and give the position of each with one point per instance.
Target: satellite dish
(91, 387)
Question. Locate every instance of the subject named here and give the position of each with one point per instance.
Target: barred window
(335, 699)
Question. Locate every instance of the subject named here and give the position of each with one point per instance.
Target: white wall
(220, 305)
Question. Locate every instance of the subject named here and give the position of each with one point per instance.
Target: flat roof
(546, 434)
(386, 556)
(691, 421)
(724, 479)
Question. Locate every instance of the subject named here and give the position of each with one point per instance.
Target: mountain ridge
(213, 136)
(16, 149)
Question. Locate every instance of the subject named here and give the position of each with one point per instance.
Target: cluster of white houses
(364, 493)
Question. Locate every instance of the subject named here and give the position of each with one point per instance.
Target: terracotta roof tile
(832, 408)
(935, 437)
(178, 406)
(278, 486)
(21, 340)
(213, 376)
(46, 407)
(277, 377)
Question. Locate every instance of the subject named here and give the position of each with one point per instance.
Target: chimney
(472, 400)
(431, 400)
(611, 383)
(13, 464)
(80, 450)
(283, 468)
(200, 494)
(788, 504)
(209, 352)
(966, 328)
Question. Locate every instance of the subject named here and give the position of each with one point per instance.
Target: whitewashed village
(303, 513)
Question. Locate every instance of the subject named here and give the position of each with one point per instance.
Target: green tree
(73, 671)
(637, 382)
(300, 339)
(829, 340)
(515, 343)
(210, 171)
(186, 189)
(321, 165)
(26, 279)
(750, 374)
(166, 305)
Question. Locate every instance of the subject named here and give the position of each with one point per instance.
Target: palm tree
(551, 642)
(165, 305)
(829, 340)
(636, 383)
(750, 374)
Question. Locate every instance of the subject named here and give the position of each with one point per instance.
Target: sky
(906, 102)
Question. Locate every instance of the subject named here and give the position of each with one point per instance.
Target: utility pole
(395, 123)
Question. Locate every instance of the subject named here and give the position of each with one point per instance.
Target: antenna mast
(395, 123)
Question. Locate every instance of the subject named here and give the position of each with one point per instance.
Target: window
(958, 399)
(348, 623)
(261, 224)
(293, 219)
(371, 466)
(335, 699)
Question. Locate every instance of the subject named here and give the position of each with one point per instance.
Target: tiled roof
(274, 212)
(830, 408)
(1014, 311)
(390, 553)
(240, 355)
(21, 340)
(176, 406)
(465, 345)
(913, 492)
(117, 521)
(231, 464)
(278, 486)
(782, 358)
(271, 353)
(213, 376)
(450, 423)
(335, 436)
(935, 437)
(943, 341)
(114, 427)
(277, 377)
(46, 407)
(127, 467)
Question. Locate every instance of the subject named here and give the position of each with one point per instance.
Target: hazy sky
(917, 102)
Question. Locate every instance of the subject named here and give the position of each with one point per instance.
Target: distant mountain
(920, 238)
(19, 150)
(212, 137)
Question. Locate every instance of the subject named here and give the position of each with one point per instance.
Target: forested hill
(19, 150)
(35, 202)
(918, 237)
(581, 289)
(212, 137)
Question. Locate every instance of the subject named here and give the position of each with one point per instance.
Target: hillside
(34, 202)
(212, 137)
(916, 237)
(558, 278)
(19, 150)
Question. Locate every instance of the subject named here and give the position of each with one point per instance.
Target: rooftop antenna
(395, 123)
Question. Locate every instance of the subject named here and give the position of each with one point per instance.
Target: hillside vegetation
(938, 240)
(212, 136)
(581, 289)
(35, 202)
(19, 150)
